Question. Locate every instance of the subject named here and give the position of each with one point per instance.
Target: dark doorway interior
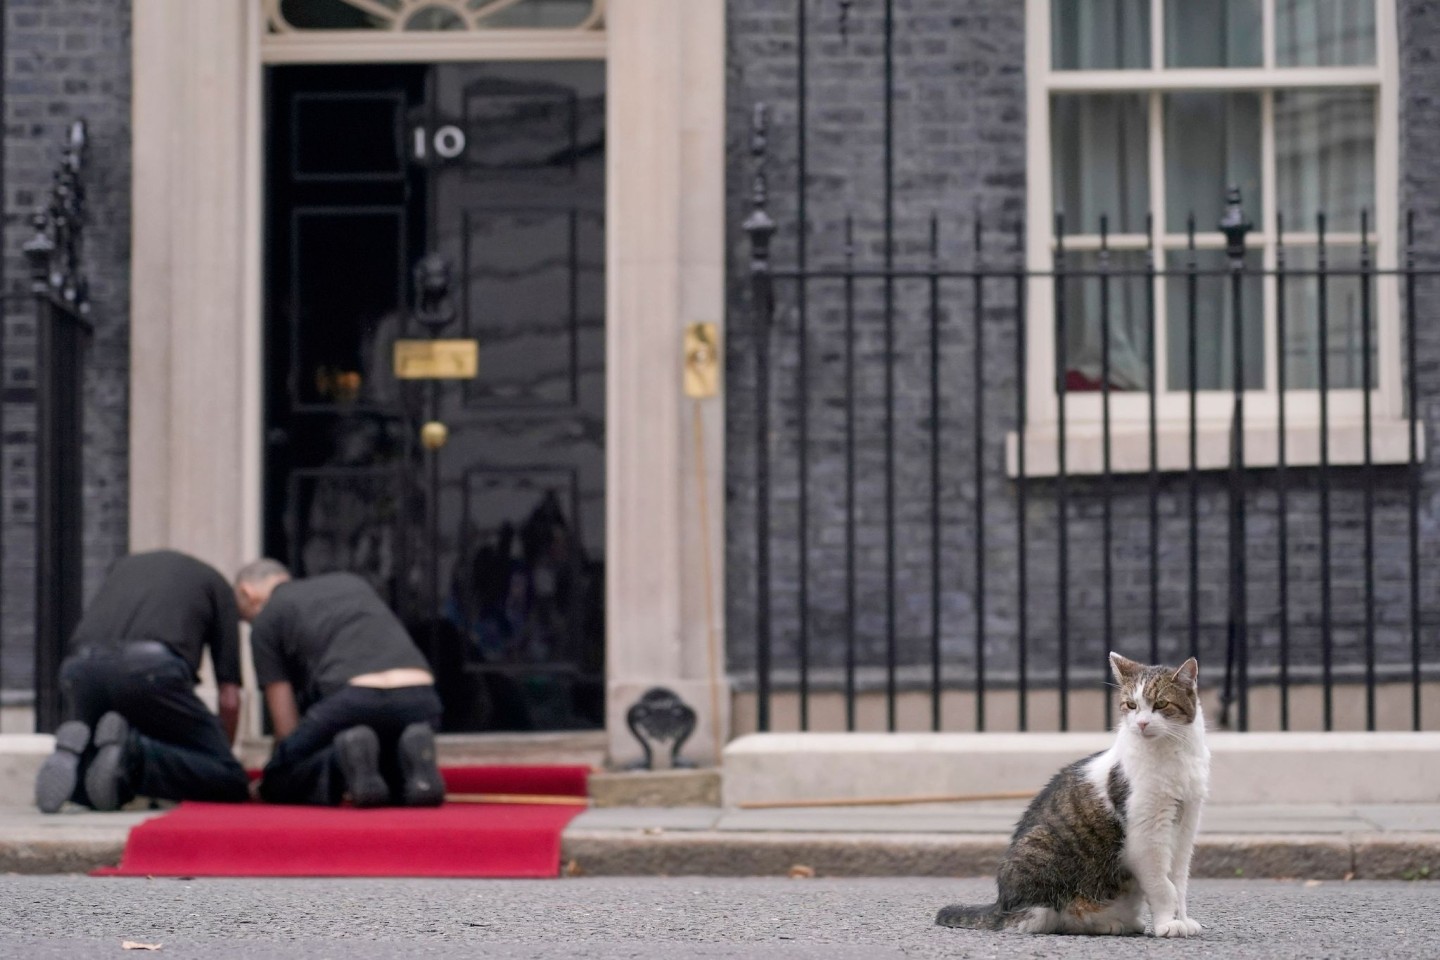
(491, 549)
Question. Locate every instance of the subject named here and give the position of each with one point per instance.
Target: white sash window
(1144, 112)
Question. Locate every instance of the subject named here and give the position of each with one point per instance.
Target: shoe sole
(358, 752)
(424, 786)
(60, 772)
(102, 780)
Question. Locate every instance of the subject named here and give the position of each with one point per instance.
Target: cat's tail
(986, 917)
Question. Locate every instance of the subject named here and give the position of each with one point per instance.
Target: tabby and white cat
(1113, 829)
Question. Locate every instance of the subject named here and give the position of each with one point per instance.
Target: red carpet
(456, 840)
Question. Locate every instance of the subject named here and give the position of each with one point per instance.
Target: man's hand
(284, 714)
(229, 704)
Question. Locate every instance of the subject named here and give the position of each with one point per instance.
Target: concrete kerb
(58, 856)
(736, 854)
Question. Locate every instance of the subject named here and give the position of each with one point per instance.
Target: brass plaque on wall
(437, 359)
(702, 360)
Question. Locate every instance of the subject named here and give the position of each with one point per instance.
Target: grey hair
(257, 571)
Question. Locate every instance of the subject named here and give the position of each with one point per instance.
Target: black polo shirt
(170, 597)
(320, 632)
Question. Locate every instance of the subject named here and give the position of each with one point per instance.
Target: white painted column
(195, 324)
(665, 266)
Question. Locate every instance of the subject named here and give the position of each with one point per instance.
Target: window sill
(1130, 446)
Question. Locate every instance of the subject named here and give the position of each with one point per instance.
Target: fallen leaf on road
(132, 945)
(802, 872)
(1313, 883)
(1350, 875)
(572, 869)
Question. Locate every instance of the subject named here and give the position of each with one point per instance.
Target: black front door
(491, 546)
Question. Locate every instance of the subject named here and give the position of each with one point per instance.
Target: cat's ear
(1190, 670)
(1125, 669)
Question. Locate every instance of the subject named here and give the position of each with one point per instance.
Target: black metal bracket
(662, 722)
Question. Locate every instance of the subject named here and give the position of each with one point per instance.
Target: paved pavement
(1376, 842)
(654, 918)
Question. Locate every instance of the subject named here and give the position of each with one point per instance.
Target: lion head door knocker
(662, 722)
(434, 309)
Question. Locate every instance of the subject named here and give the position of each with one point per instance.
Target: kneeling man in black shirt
(352, 700)
(135, 725)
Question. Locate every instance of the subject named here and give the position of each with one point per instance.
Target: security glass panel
(1099, 161)
(1325, 157)
(1342, 301)
(1213, 33)
(1324, 33)
(1212, 143)
(1211, 314)
(1100, 34)
(1089, 299)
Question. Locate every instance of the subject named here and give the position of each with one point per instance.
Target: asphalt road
(79, 917)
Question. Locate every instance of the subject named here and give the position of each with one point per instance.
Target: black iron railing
(61, 302)
(962, 321)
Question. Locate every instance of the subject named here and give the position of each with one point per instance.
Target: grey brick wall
(64, 59)
(959, 147)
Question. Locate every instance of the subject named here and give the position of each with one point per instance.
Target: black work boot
(110, 780)
(420, 775)
(60, 773)
(357, 752)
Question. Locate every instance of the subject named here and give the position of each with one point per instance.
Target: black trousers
(179, 748)
(303, 768)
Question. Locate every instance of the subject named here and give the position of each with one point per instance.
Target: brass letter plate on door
(437, 359)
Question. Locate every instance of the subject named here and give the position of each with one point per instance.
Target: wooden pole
(887, 801)
(532, 798)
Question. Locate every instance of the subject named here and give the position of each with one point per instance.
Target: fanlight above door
(286, 16)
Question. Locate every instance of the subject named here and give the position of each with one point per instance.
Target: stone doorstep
(1247, 768)
(22, 754)
(656, 788)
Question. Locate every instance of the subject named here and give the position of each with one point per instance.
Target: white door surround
(196, 360)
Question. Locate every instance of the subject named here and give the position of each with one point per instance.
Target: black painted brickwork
(64, 59)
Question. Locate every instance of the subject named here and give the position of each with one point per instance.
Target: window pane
(542, 13)
(1084, 298)
(1212, 143)
(440, 15)
(1325, 156)
(1099, 34)
(1344, 313)
(1098, 160)
(1324, 33)
(1213, 319)
(1213, 33)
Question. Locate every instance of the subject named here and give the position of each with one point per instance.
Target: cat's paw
(1177, 928)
